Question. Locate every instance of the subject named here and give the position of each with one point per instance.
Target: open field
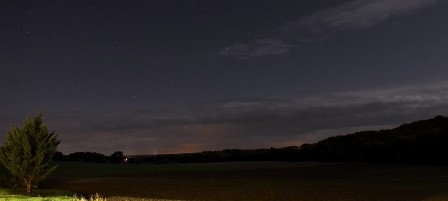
(253, 181)
(50, 195)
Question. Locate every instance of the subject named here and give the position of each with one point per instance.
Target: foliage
(84, 156)
(117, 157)
(95, 197)
(418, 142)
(27, 151)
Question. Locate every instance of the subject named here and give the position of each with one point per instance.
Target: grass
(6, 195)
(252, 181)
(52, 195)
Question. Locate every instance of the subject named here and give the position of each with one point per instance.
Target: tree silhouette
(28, 151)
(117, 157)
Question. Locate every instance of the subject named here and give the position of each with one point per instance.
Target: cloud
(360, 13)
(355, 14)
(245, 122)
(251, 123)
(256, 48)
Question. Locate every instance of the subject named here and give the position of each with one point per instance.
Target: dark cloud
(247, 123)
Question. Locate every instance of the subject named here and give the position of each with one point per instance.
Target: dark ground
(253, 181)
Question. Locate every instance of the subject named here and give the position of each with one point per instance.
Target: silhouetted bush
(117, 157)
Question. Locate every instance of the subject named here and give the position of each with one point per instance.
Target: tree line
(116, 157)
(420, 142)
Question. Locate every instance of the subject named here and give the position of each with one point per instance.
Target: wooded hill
(423, 142)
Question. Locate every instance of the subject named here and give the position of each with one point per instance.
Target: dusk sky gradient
(174, 76)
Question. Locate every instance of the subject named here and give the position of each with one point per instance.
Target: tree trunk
(28, 185)
(28, 188)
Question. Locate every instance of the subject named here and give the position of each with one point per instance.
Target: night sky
(172, 76)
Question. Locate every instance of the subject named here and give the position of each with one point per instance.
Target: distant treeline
(273, 154)
(116, 157)
(424, 142)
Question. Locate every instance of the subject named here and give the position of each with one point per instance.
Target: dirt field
(253, 181)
